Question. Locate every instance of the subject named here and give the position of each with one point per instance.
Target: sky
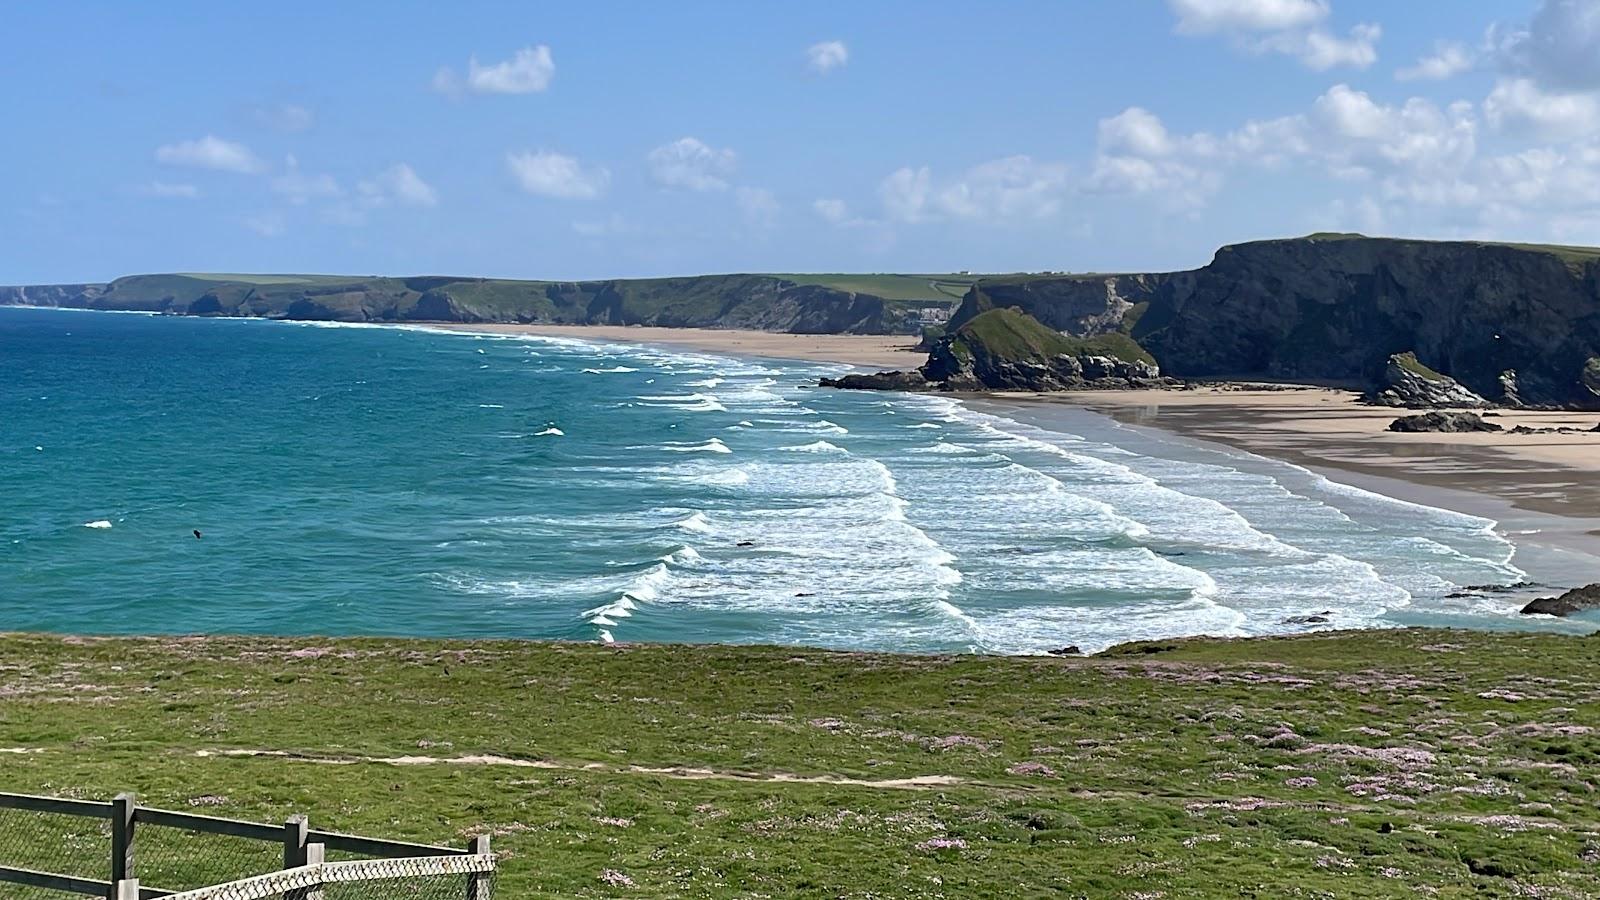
(574, 140)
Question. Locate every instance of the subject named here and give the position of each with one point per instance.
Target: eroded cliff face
(1080, 305)
(760, 302)
(1337, 307)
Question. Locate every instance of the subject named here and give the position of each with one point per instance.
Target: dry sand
(1327, 428)
(866, 350)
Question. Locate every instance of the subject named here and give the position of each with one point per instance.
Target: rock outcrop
(1008, 350)
(1335, 308)
(1573, 601)
(1447, 422)
(1410, 384)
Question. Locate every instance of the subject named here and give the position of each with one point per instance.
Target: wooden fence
(304, 850)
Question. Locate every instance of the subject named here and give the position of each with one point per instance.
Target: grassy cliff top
(1011, 334)
(1380, 764)
(942, 288)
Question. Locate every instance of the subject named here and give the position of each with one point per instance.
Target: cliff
(1009, 350)
(1498, 318)
(762, 302)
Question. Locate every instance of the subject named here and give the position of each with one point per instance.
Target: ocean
(399, 481)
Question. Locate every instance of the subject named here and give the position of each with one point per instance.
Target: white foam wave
(98, 523)
(816, 447)
(611, 370)
(696, 522)
(714, 445)
(552, 431)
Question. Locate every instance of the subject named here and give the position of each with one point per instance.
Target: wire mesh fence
(429, 878)
(56, 848)
(55, 842)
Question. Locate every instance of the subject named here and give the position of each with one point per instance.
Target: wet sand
(1322, 428)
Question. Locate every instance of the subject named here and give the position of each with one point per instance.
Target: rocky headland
(1419, 324)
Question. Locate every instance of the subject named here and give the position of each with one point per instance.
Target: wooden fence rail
(303, 849)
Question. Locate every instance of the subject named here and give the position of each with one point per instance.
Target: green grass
(1011, 334)
(1410, 363)
(1372, 764)
(891, 287)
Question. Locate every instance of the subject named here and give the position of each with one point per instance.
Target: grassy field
(892, 287)
(1375, 764)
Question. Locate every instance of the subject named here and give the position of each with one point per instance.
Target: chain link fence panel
(64, 844)
(432, 878)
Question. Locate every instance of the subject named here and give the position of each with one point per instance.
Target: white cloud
(168, 189)
(211, 152)
(555, 175)
(1322, 50)
(758, 205)
(999, 191)
(1449, 59)
(527, 72)
(1294, 28)
(826, 56)
(398, 184)
(689, 163)
(287, 117)
(1560, 45)
(831, 210)
(1210, 16)
(1520, 103)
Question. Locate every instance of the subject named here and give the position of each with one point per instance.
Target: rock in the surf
(1573, 601)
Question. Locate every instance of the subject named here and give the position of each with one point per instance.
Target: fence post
(316, 855)
(295, 829)
(125, 889)
(478, 883)
(122, 824)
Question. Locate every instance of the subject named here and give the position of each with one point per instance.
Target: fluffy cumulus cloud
(211, 152)
(1211, 16)
(1296, 28)
(1550, 69)
(1011, 189)
(825, 56)
(1448, 59)
(398, 185)
(1559, 47)
(529, 71)
(549, 174)
(691, 164)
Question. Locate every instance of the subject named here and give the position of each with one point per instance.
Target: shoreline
(864, 350)
(1543, 490)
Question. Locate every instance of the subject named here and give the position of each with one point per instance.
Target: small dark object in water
(745, 544)
(1066, 651)
(1320, 618)
(805, 594)
(197, 534)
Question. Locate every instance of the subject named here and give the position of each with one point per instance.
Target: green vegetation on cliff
(1013, 335)
(1410, 363)
(1382, 764)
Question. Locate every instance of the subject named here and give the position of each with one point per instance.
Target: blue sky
(568, 140)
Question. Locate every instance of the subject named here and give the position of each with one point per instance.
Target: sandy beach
(1320, 428)
(866, 350)
(1328, 429)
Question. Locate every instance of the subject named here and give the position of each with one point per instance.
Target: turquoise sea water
(366, 480)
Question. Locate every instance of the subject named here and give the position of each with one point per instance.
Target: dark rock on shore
(1447, 422)
(1573, 601)
(1008, 350)
(1321, 618)
(881, 381)
(1408, 383)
